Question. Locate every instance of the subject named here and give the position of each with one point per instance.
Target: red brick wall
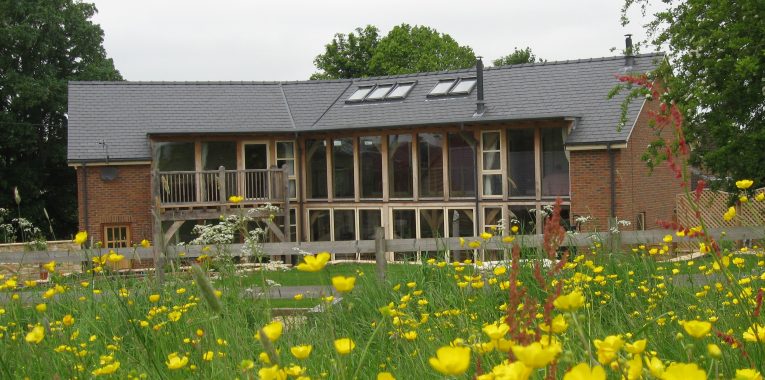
(124, 200)
(591, 187)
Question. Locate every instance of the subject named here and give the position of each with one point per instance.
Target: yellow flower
(559, 325)
(314, 263)
(744, 184)
(301, 352)
(514, 229)
(298, 296)
(569, 302)
(513, 371)
(536, 355)
(462, 242)
(41, 307)
(730, 214)
(475, 244)
(667, 238)
(154, 298)
(748, 374)
(50, 267)
(343, 284)
(759, 197)
(344, 346)
(451, 360)
(36, 335)
(655, 366)
(68, 320)
(756, 333)
(636, 347)
(294, 370)
(176, 362)
(410, 335)
(508, 239)
(114, 257)
(272, 330)
(145, 243)
(272, 373)
(486, 235)
(683, 371)
(496, 331)
(608, 348)
(385, 376)
(583, 371)
(107, 369)
(235, 199)
(697, 329)
(81, 238)
(208, 356)
(246, 364)
(174, 316)
(714, 350)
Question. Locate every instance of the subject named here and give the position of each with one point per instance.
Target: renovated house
(424, 155)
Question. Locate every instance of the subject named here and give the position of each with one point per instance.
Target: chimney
(629, 57)
(480, 105)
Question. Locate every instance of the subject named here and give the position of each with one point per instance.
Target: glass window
(321, 225)
(520, 162)
(461, 166)
(492, 165)
(491, 218)
(554, 163)
(464, 86)
(360, 93)
(432, 223)
(442, 87)
(404, 224)
(523, 216)
(369, 220)
(342, 162)
(379, 92)
(316, 175)
(461, 223)
(400, 166)
(175, 156)
(431, 175)
(370, 154)
(401, 91)
(219, 153)
(285, 155)
(345, 225)
(117, 236)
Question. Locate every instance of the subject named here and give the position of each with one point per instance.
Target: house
(425, 155)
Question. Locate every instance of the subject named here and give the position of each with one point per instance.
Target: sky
(239, 40)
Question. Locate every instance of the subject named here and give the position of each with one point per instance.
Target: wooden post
(286, 208)
(380, 252)
(222, 184)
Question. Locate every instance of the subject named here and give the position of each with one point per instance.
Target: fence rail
(389, 245)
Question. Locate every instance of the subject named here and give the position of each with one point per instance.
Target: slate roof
(123, 114)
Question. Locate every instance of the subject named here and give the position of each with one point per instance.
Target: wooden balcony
(187, 195)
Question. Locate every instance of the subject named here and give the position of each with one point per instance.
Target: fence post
(380, 252)
(222, 184)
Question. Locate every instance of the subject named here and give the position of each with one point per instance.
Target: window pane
(379, 92)
(320, 225)
(524, 217)
(491, 218)
(401, 90)
(491, 161)
(404, 224)
(461, 166)
(293, 224)
(345, 225)
(290, 165)
(400, 166)
(442, 87)
(360, 93)
(490, 141)
(342, 160)
(175, 156)
(369, 220)
(554, 163)
(460, 223)
(520, 160)
(316, 175)
(432, 223)
(285, 149)
(219, 153)
(431, 164)
(492, 184)
(464, 86)
(370, 152)
(255, 156)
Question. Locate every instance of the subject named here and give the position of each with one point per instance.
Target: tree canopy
(716, 74)
(43, 45)
(518, 56)
(405, 49)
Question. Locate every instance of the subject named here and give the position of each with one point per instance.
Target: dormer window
(442, 88)
(464, 86)
(379, 92)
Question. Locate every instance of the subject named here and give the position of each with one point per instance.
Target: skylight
(360, 94)
(442, 87)
(401, 91)
(464, 86)
(379, 92)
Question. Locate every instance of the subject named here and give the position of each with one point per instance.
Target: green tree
(517, 57)
(348, 56)
(405, 49)
(43, 45)
(715, 72)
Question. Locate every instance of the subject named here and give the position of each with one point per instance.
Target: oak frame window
(117, 236)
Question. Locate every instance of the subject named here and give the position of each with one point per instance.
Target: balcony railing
(214, 187)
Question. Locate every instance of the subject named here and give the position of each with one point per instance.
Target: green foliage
(405, 49)
(716, 74)
(43, 45)
(517, 57)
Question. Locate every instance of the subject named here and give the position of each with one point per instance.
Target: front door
(255, 170)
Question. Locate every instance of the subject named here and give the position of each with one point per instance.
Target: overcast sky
(184, 40)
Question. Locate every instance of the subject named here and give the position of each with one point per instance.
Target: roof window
(401, 91)
(360, 94)
(464, 86)
(379, 92)
(442, 88)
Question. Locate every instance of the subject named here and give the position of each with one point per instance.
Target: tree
(43, 45)
(403, 50)
(715, 72)
(517, 57)
(348, 57)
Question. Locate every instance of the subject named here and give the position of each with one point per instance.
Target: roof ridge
(570, 61)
